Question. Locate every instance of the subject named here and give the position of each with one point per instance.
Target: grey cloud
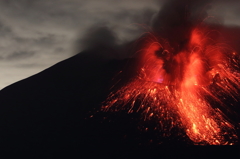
(227, 11)
(59, 49)
(75, 15)
(28, 65)
(47, 40)
(4, 30)
(19, 55)
(19, 48)
(42, 40)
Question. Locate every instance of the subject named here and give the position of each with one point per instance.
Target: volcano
(177, 95)
(59, 109)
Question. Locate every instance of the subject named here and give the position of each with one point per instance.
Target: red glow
(178, 83)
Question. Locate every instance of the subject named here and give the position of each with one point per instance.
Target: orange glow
(175, 86)
(195, 38)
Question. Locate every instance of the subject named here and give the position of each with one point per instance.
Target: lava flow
(184, 89)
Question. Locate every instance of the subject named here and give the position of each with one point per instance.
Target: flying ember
(184, 87)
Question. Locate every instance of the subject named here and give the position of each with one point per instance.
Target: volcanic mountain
(180, 88)
(59, 110)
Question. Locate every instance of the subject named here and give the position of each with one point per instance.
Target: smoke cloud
(173, 22)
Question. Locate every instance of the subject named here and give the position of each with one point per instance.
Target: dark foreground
(49, 115)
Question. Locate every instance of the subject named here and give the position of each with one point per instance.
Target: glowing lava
(180, 86)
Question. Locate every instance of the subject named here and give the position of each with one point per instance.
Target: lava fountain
(185, 88)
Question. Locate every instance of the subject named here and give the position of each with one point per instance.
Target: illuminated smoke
(184, 72)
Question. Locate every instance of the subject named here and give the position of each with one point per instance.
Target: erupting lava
(180, 86)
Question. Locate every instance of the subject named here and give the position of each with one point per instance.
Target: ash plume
(176, 18)
(182, 62)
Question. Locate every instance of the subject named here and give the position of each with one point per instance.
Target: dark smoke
(98, 37)
(101, 41)
(175, 19)
(173, 23)
(176, 13)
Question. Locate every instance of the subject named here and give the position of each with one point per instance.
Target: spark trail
(179, 88)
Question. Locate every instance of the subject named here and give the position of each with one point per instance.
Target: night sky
(35, 34)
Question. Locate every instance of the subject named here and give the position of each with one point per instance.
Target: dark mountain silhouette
(57, 112)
